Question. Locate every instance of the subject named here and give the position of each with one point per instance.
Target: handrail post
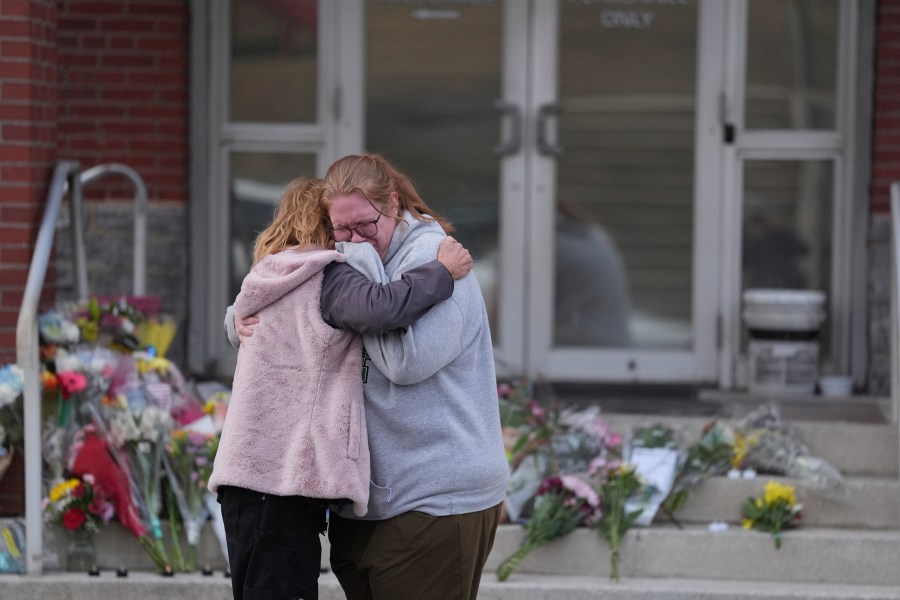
(140, 216)
(28, 359)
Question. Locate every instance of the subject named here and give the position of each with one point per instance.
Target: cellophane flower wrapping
(561, 504)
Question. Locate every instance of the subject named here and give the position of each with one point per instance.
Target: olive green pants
(412, 556)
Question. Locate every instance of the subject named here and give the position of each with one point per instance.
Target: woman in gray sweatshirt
(438, 466)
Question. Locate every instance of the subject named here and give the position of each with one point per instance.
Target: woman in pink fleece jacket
(295, 435)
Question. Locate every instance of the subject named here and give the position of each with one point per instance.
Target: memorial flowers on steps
(773, 511)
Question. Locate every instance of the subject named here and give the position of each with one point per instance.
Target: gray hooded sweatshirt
(431, 393)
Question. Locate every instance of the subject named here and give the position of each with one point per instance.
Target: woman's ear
(394, 201)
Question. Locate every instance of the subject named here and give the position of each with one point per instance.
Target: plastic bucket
(783, 351)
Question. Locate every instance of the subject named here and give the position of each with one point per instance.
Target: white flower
(70, 332)
(67, 362)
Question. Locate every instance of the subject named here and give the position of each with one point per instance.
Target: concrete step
(868, 502)
(149, 586)
(813, 555)
(869, 449)
(808, 554)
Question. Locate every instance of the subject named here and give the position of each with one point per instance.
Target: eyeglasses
(369, 229)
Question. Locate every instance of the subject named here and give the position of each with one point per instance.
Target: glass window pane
(257, 180)
(787, 225)
(791, 64)
(273, 60)
(625, 187)
(431, 84)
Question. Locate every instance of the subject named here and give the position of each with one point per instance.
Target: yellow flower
(747, 523)
(62, 489)
(158, 364)
(774, 491)
(210, 407)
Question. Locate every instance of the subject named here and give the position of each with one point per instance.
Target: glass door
(623, 212)
(560, 136)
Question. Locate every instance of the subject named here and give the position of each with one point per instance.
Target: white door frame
(849, 211)
(696, 364)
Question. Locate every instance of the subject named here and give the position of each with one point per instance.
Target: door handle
(545, 113)
(514, 141)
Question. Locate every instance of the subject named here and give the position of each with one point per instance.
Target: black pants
(274, 551)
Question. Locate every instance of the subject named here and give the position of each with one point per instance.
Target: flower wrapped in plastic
(189, 460)
(713, 454)
(774, 448)
(561, 504)
(11, 415)
(142, 435)
(559, 441)
(774, 511)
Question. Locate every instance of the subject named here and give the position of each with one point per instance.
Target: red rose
(78, 491)
(73, 518)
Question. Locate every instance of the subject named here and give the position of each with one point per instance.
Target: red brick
(128, 60)
(13, 276)
(10, 70)
(76, 25)
(99, 9)
(19, 255)
(10, 153)
(131, 25)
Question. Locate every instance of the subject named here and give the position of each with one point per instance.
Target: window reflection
(273, 71)
(791, 64)
(257, 181)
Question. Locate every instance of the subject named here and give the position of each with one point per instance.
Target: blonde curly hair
(299, 221)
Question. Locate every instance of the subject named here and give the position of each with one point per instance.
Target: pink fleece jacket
(296, 424)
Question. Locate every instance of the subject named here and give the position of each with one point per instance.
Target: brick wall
(123, 91)
(28, 116)
(886, 131)
(95, 82)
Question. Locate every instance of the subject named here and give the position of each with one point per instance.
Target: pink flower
(614, 440)
(71, 382)
(581, 488)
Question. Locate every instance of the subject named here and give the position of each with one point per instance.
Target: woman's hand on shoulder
(455, 257)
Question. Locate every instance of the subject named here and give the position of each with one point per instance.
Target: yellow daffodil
(774, 491)
(747, 523)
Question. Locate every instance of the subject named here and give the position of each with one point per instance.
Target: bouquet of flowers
(776, 509)
(142, 435)
(713, 454)
(620, 483)
(562, 503)
(189, 461)
(73, 504)
(11, 433)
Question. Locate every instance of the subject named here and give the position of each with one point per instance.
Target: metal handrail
(66, 178)
(140, 216)
(27, 355)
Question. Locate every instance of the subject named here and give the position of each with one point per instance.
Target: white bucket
(783, 352)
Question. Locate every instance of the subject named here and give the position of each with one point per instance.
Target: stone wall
(109, 228)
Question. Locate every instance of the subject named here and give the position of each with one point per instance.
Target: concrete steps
(814, 555)
(146, 586)
(846, 548)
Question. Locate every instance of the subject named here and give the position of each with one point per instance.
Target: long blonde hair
(375, 178)
(299, 221)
